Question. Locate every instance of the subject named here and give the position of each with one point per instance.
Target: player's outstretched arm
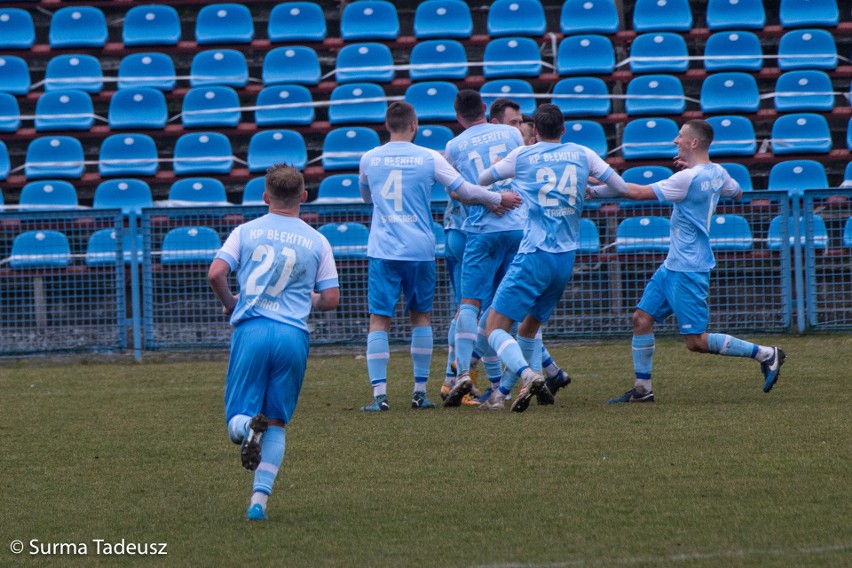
(217, 276)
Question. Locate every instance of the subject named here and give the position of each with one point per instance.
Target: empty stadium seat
(199, 191)
(588, 16)
(82, 72)
(733, 51)
(102, 248)
(372, 110)
(511, 57)
(190, 245)
(342, 148)
(643, 234)
(735, 15)
(662, 16)
(849, 135)
(291, 65)
(516, 18)
(655, 94)
(213, 105)
(582, 96)
(370, 62)
(40, 249)
(800, 133)
(433, 100)
(439, 195)
(646, 175)
(730, 233)
(68, 109)
(128, 155)
(276, 146)
(339, 188)
(129, 195)
(847, 233)
(590, 237)
(585, 55)
(442, 19)
(512, 89)
(587, 133)
(155, 70)
(219, 67)
(152, 24)
(296, 21)
(17, 30)
(224, 23)
(347, 240)
(434, 137)
(54, 157)
(140, 107)
(775, 239)
(253, 191)
(369, 19)
(733, 135)
(807, 49)
(804, 89)
(284, 104)
(438, 59)
(795, 176)
(803, 13)
(740, 174)
(4, 161)
(203, 153)
(48, 194)
(78, 26)
(10, 113)
(731, 91)
(649, 138)
(661, 52)
(14, 75)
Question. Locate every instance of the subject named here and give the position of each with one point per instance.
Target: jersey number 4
(566, 185)
(265, 254)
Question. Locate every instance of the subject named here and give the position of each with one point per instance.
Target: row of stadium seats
(228, 23)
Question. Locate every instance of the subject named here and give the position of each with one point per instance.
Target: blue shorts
(487, 257)
(266, 369)
(683, 294)
(453, 256)
(387, 278)
(534, 284)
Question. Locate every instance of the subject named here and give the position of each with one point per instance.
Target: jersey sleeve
(363, 181)
(674, 188)
(731, 186)
(504, 169)
(445, 174)
(230, 251)
(327, 271)
(597, 167)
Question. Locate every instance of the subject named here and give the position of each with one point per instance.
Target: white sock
(764, 353)
(644, 383)
(259, 497)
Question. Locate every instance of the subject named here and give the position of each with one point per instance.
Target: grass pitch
(714, 473)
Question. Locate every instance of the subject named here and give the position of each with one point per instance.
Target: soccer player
(527, 128)
(398, 178)
(681, 285)
(284, 269)
(552, 177)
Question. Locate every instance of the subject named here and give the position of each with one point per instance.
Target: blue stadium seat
(152, 24)
(774, 238)
(795, 176)
(733, 51)
(14, 75)
(588, 16)
(190, 245)
(219, 67)
(440, 239)
(54, 157)
(582, 96)
(272, 147)
(155, 70)
(128, 155)
(643, 234)
(434, 137)
(339, 188)
(511, 57)
(40, 249)
(199, 191)
(655, 94)
(296, 105)
(662, 16)
(10, 113)
(369, 19)
(585, 55)
(203, 153)
(442, 19)
(512, 89)
(362, 112)
(733, 135)
(140, 107)
(735, 15)
(732, 91)
(213, 105)
(342, 148)
(847, 233)
(516, 18)
(730, 233)
(78, 26)
(433, 100)
(847, 176)
(129, 195)
(804, 13)
(17, 30)
(253, 191)
(81, 72)
(849, 135)
(649, 138)
(296, 21)
(4, 161)
(68, 109)
(439, 194)
(347, 240)
(102, 248)
(644, 175)
(590, 237)
(371, 62)
(438, 59)
(807, 49)
(805, 89)
(48, 194)
(588, 133)
(224, 23)
(800, 133)
(740, 174)
(662, 52)
(295, 64)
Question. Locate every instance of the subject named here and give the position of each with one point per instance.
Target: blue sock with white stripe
(466, 335)
(238, 428)
(421, 355)
(722, 344)
(271, 455)
(450, 375)
(643, 358)
(509, 351)
(378, 353)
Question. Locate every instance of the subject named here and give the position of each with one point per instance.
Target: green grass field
(716, 473)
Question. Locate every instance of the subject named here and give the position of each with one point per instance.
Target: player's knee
(642, 323)
(694, 344)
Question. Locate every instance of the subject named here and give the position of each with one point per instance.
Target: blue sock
(421, 355)
(271, 455)
(378, 353)
(531, 350)
(490, 360)
(643, 355)
(508, 350)
(238, 427)
(508, 380)
(466, 336)
(722, 344)
(451, 352)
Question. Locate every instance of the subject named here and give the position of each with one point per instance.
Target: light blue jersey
(398, 178)
(455, 214)
(279, 261)
(552, 179)
(695, 193)
(473, 151)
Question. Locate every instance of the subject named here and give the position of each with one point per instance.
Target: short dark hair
(549, 121)
(284, 184)
(499, 106)
(702, 130)
(399, 115)
(527, 119)
(468, 105)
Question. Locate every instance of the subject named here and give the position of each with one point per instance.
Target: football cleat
(558, 381)
(495, 401)
(445, 391)
(533, 385)
(636, 394)
(420, 402)
(256, 513)
(771, 368)
(380, 404)
(470, 400)
(461, 388)
(250, 448)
